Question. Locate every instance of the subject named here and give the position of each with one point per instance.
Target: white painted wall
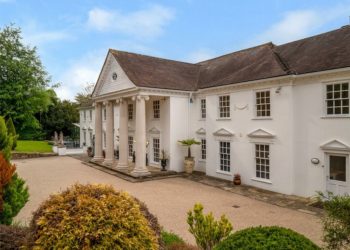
(86, 123)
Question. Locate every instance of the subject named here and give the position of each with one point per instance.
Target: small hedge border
(266, 238)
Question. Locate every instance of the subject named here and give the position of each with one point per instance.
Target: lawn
(33, 146)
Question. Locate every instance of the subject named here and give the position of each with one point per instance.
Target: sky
(73, 36)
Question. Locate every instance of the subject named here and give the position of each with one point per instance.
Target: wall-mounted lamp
(315, 161)
(278, 90)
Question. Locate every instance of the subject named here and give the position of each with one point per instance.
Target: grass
(33, 146)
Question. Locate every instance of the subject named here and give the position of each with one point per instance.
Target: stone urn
(189, 165)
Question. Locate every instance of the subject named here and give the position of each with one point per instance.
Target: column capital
(96, 103)
(120, 100)
(108, 102)
(139, 97)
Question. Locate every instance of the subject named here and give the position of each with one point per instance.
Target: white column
(123, 135)
(109, 160)
(98, 132)
(140, 137)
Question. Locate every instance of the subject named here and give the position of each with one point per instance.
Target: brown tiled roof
(153, 72)
(326, 51)
(246, 65)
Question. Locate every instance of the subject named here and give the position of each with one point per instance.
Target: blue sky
(73, 36)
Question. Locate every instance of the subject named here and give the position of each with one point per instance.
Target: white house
(277, 115)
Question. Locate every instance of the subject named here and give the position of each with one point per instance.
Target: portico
(140, 168)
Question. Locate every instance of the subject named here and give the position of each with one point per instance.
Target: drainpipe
(190, 101)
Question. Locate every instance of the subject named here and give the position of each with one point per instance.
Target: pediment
(223, 132)
(335, 145)
(106, 83)
(90, 128)
(201, 131)
(261, 133)
(84, 127)
(154, 130)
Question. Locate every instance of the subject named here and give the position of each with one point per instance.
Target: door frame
(151, 158)
(327, 170)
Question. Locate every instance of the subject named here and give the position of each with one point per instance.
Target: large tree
(60, 116)
(23, 81)
(84, 98)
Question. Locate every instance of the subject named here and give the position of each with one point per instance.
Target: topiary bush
(266, 238)
(93, 217)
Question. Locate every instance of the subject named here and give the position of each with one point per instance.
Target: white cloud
(301, 23)
(79, 73)
(147, 23)
(200, 55)
(41, 37)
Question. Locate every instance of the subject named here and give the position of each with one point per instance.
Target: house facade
(277, 115)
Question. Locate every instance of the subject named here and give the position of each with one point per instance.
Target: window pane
(337, 168)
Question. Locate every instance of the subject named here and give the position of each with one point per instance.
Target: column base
(140, 172)
(122, 166)
(97, 159)
(108, 162)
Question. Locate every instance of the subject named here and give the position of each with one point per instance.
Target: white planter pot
(189, 166)
(85, 149)
(62, 151)
(55, 149)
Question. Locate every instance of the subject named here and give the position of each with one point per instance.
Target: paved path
(168, 199)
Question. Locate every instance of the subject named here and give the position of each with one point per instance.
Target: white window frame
(203, 149)
(219, 108)
(326, 99)
(156, 109)
(203, 110)
(256, 104)
(91, 137)
(130, 146)
(258, 160)
(90, 113)
(104, 114)
(84, 115)
(222, 167)
(84, 136)
(130, 111)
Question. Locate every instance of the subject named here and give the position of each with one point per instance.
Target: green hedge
(266, 238)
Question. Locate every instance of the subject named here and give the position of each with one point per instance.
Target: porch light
(315, 161)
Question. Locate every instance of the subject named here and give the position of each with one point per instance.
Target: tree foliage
(12, 132)
(23, 80)
(84, 98)
(5, 140)
(206, 230)
(60, 117)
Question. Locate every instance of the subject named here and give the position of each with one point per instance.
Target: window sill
(261, 180)
(335, 117)
(202, 161)
(262, 118)
(201, 119)
(155, 119)
(223, 173)
(224, 119)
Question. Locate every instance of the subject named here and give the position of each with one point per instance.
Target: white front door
(338, 174)
(155, 150)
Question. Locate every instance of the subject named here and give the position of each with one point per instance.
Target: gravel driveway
(168, 199)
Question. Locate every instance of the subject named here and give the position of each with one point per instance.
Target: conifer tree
(12, 132)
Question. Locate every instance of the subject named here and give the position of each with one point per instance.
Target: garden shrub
(5, 140)
(170, 238)
(266, 238)
(336, 221)
(92, 217)
(12, 132)
(12, 237)
(205, 229)
(6, 173)
(181, 246)
(15, 196)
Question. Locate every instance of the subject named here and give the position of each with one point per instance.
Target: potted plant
(237, 179)
(189, 160)
(89, 152)
(163, 160)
